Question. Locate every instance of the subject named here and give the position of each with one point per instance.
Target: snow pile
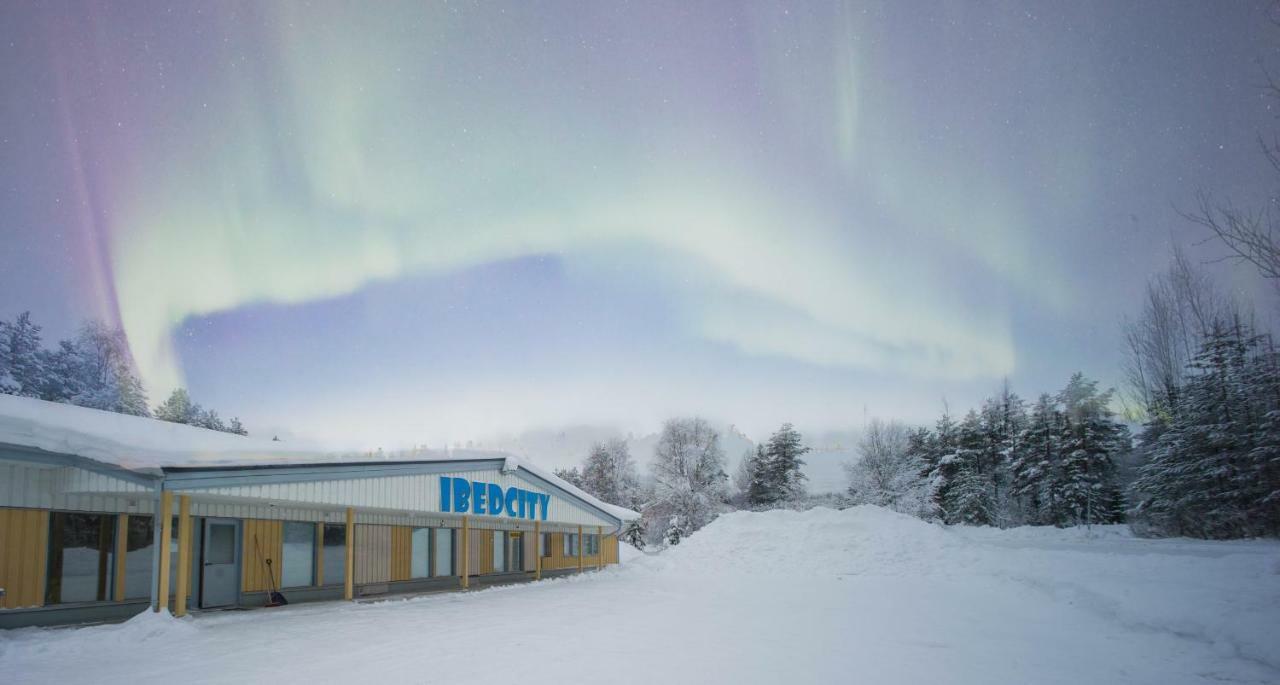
(1224, 594)
(862, 596)
(820, 541)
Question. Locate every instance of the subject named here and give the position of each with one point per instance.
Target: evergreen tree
(237, 427)
(610, 473)
(570, 475)
(104, 375)
(1036, 460)
(1090, 441)
(1212, 470)
(762, 491)
(970, 498)
(21, 362)
(675, 531)
(940, 463)
(783, 465)
(633, 534)
(178, 408)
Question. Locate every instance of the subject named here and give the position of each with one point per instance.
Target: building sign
(461, 496)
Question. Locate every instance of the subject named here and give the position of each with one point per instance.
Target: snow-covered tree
(783, 464)
(237, 427)
(1033, 469)
(1211, 469)
(762, 490)
(888, 471)
(102, 372)
(178, 408)
(610, 473)
(688, 475)
(633, 534)
(1090, 444)
(21, 363)
(570, 475)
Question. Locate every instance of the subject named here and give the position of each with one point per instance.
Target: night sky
(384, 224)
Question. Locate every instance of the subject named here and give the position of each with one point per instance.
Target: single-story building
(88, 497)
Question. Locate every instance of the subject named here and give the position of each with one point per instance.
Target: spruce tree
(22, 372)
(762, 491)
(784, 450)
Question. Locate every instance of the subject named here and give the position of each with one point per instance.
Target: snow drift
(861, 595)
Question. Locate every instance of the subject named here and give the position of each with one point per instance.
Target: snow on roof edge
(145, 444)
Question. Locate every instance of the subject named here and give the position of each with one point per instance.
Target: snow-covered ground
(858, 596)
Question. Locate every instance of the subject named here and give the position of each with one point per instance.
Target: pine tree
(102, 372)
(1089, 444)
(1037, 458)
(633, 534)
(675, 531)
(610, 473)
(237, 427)
(783, 466)
(940, 463)
(23, 369)
(970, 499)
(761, 488)
(178, 408)
(571, 476)
(1212, 472)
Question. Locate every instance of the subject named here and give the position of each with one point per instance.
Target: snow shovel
(274, 598)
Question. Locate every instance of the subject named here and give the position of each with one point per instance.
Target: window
(420, 553)
(592, 543)
(335, 553)
(499, 551)
(443, 552)
(571, 544)
(298, 567)
(80, 557)
(544, 545)
(140, 546)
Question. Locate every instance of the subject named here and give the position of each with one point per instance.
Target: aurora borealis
(420, 222)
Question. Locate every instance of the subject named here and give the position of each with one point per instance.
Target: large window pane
(298, 565)
(140, 546)
(80, 560)
(420, 553)
(335, 553)
(444, 552)
(499, 551)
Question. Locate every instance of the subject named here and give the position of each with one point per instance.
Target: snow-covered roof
(148, 445)
(513, 462)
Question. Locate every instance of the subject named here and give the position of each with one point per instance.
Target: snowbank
(822, 596)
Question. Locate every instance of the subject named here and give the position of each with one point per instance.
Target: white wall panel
(33, 487)
(411, 493)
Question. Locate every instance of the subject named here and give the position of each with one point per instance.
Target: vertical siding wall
(401, 552)
(558, 560)
(267, 536)
(24, 540)
(373, 554)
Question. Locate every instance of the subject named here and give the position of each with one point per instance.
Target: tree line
(94, 369)
(687, 485)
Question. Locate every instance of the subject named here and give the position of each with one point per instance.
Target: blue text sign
(462, 496)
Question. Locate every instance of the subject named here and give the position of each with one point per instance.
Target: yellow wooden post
(537, 550)
(184, 556)
(318, 559)
(580, 558)
(599, 548)
(465, 561)
(349, 592)
(166, 537)
(122, 548)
